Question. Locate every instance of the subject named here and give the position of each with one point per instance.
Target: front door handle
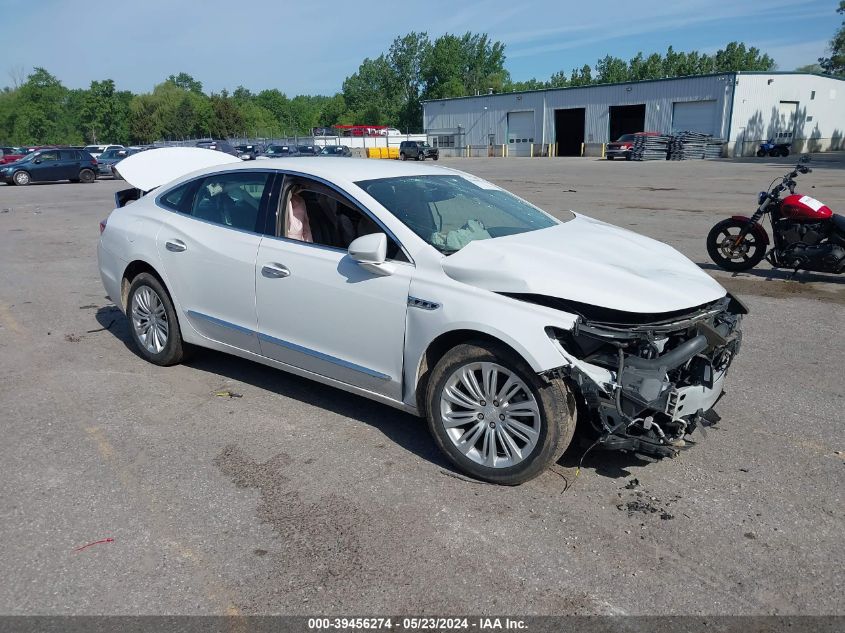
(275, 271)
(176, 246)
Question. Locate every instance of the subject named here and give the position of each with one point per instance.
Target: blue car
(48, 165)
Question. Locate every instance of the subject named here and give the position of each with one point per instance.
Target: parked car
(108, 159)
(427, 289)
(249, 152)
(51, 164)
(10, 154)
(335, 150)
(307, 150)
(97, 150)
(323, 131)
(417, 150)
(220, 146)
(624, 145)
(280, 151)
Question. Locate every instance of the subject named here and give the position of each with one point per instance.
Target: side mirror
(370, 251)
(37, 161)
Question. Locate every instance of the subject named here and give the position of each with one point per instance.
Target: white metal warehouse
(743, 108)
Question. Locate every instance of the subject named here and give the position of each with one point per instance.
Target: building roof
(641, 81)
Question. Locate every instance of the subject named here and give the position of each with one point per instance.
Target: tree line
(387, 90)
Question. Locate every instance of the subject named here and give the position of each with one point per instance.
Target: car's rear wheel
(402, 156)
(87, 176)
(22, 178)
(153, 322)
(494, 417)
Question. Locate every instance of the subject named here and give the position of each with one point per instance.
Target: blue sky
(311, 46)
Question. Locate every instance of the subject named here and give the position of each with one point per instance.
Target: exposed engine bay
(665, 370)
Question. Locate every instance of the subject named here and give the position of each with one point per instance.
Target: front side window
(311, 212)
(231, 199)
(449, 212)
(48, 155)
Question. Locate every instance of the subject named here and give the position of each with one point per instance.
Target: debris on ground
(643, 503)
(104, 540)
(228, 394)
(72, 338)
(632, 483)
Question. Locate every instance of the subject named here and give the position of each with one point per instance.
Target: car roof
(352, 170)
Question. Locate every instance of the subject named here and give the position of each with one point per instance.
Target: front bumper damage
(647, 381)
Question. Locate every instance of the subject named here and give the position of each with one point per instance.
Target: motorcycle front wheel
(727, 254)
(761, 153)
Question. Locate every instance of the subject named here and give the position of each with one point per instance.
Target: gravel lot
(300, 499)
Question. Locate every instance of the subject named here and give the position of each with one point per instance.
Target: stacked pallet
(689, 145)
(650, 147)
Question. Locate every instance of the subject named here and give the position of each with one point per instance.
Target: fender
(758, 231)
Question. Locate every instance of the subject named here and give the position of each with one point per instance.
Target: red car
(9, 155)
(624, 144)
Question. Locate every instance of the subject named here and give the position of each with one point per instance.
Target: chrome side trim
(326, 357)
(292, 346)
(220, 322)
(423, 304)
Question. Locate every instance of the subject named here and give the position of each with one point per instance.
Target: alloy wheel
(730, 250)
(490, 414)
(149, 319)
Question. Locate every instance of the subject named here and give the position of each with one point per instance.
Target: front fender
(758, 230)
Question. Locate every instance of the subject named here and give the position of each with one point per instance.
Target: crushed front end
(646, 381)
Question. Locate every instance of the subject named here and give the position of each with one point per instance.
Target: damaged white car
(427, 289)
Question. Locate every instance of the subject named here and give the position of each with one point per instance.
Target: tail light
(103, 225)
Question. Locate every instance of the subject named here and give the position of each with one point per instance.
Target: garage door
(520, 133)
(695, 116)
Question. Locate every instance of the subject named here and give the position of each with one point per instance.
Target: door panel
(210, 271)
(330, 316)
(208, 243)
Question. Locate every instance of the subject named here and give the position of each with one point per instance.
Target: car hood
(587, 261)
(155, 167)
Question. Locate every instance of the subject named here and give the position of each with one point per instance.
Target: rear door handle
(275, 271)
(176, 246)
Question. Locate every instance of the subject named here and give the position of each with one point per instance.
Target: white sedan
(427, 289)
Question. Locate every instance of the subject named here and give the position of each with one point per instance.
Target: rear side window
(232, 199)
(67, 154)
(180, 198)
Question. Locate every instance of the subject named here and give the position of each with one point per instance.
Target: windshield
(111, 153)
(449, 212)
(277, 149)
(94, 148)
(626, 137)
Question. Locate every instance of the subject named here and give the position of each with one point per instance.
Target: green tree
(103, 115)
(835, 64)
(611, 70)
(186, 82)
(736, 57)
(582, 76)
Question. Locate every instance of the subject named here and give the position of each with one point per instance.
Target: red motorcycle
(807, 234)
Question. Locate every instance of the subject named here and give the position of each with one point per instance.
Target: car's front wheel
(153, 322)
(22, 178)
(494, 417)
(402, 156)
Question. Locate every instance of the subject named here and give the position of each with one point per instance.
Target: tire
(87, 176)
(761, 153)
(146, 296)
(609, 157)
(420, 156)
(751, 254)
(774, 153)
(547, 410)
(435, 157)
(784, 152)
(627, 155)
(21, 178)
(402, 156)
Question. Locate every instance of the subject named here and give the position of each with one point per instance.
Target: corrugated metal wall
(819, 122)
(486, 115)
